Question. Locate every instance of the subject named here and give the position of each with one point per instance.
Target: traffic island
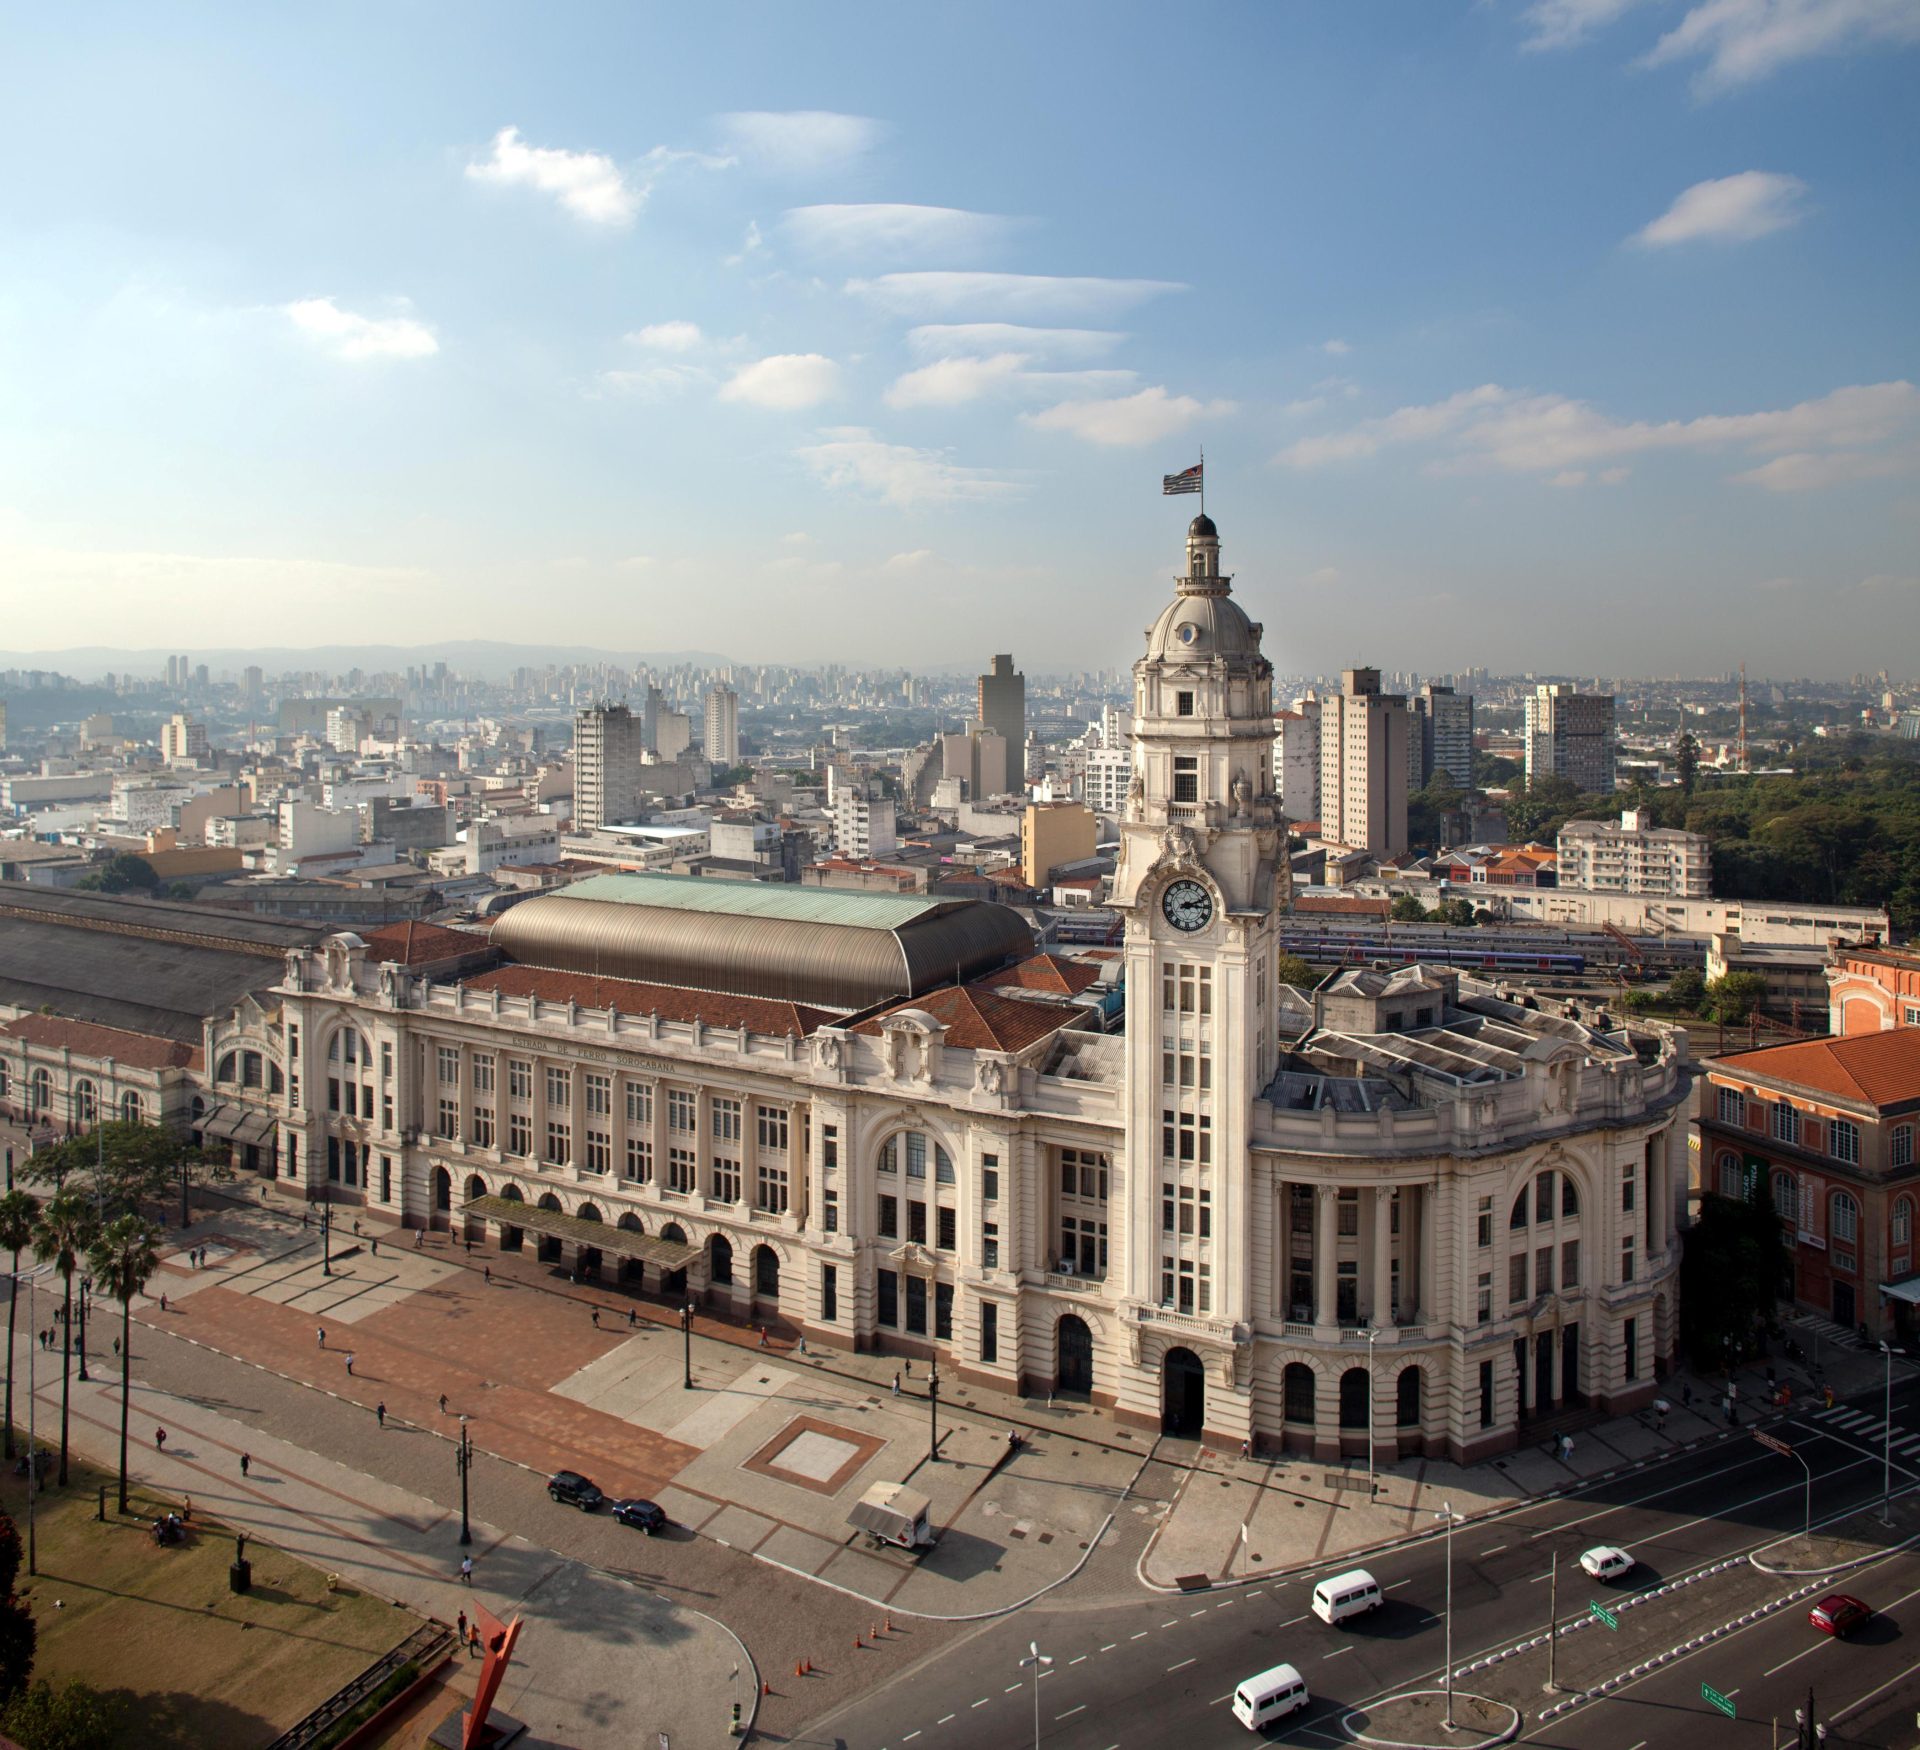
(1845, 1543)
(1418, 1719)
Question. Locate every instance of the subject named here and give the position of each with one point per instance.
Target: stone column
(1382, 1299)
(1326, 1224)
(1428, 1204)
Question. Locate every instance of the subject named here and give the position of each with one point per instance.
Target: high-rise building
(253, 682)
(1570, 735)
(1053, 833)
(1108, 772)
(1445, 722)
(652, 703)
(183, 740)
(978, 757)
(1003, 703)
(606, 766)
(672, 735)
(1364, 765)
(1297, 760)
(723, 726)
(863, 825)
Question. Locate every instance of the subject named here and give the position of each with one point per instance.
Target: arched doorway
(632, 1270)
(512, 1238)
(475, 1225)
(1356, 1391)
(1298, 1394)
(1183, 1393)
(766, 1273)
(720, 1261)
(674, 1282)
(1073, 1357)
(1406, 1398)
(589, 1255)
(442, 1218)
(547, 1246)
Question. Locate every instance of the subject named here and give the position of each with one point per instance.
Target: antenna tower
(1744, 762)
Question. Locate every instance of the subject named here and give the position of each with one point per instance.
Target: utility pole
(1553, 1626)
(326, 1237)
(1038, 1662)
(933, 1412)
(463, 1461)
(686, 1331)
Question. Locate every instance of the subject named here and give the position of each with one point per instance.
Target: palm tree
(17, 1212)
(65, 1229)
(122, 1259)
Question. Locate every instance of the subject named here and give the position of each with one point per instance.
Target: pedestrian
(1686, 1394)
(419, 1239)
(463, 1628)
(159, 1440)
(803, 1343)
(486, 1274)
(443, 1403)
(246, 1464)
(163, 1303)
(633, 1318)
(896, 1385)
(376, 1248)
(116, 1346)
(596, 1318)
(473, 1642)
(380, 1412)
(466, 1570)
(186, 1509)
(469, 1248)
(1246, 1448)
(320, 1335)
(909, 1367)
(763, 1336)
(349, 1364)
(1826, 1395)
(356, 1225)
(1732, 1418)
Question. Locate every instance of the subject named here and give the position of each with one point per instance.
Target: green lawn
(194, 1665)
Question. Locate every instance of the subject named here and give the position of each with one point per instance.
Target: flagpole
(1203, 480)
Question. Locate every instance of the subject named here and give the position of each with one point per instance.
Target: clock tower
(1201, 881)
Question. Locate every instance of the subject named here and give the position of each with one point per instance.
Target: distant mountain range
(484, 657)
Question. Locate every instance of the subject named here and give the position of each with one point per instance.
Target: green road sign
(1601, 1613)
(1709, 1693)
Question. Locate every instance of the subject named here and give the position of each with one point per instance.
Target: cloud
(787, 381)
(1744, 41)
(1130, 419)
(668, 336)
(654, 382)
(893, 229)
(1728, 209)
(1014, 297)
(1805, 471)
(918, 559)
(588, 184)
(953, 382)
(1335, 348)
(799, 142)
(1495, 428)
(1560, 24)
(938, 340)
(353, 336)
(851, 458)
(751, 244)
(1569, 477)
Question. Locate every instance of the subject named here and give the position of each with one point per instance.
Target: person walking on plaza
(246, 1464)
(896, 1385)
(443, 1403)
(486, 1273)
(320, 1336)
(633, 1318)
(349, 1364)
(596, 1318)
(462, 1619)
(380, 1412)
(159, 1440)
(466, 1570)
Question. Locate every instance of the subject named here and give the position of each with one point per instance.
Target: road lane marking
(1218, 1699)
(1079, 1661)
(1108, 1648)
(942, 1720)
(1853, 1707)
(1202, 1611)
(982, 1702)
(1302, 1617)
(909, 1738)
(1797, 1657)
(1171, 1622)
(1337, 1651)
(1184, 1663)
(1497, 1548)
(1141, 1636)
(1011, 1687)
(1082, 1708)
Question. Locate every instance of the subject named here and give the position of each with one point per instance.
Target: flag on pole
(1187, 480)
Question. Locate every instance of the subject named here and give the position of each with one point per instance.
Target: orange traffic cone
(856, 1643)
(889, 1625)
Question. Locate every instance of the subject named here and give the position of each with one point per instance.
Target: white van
(1345, 1595)
(1270, 1696)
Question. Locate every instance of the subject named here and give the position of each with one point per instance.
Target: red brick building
(1832, 1124)
(1871, 989)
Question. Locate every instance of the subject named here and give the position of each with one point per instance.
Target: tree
(122, 1165)
(18, 1211)
(1291, 969)
(76, 1716)
(19, 1636)
(1733, 997)
(122, 1258)
(1407, 910)
(65, 1229)
(179, 890)
(1687, 989)
(1543, 807)
(122, 874)
(1686, 761)
(1729, 1273)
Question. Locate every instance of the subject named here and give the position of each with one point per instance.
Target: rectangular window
(599, 1096)
(1786, 1122)
(771, 1122)
(386, 1057)
(559, 1147)
(639, 1102)
(1486, 1297)
(990, 1178)
(916, 1222)
(990, 1246)
(519, 1134)
(599, 1151)
(1543, 1270)
(1186, 778)
(679, 1169)
(483, 1072)
(1846, 1141)
(386, 1178)
(519, 1079)
(725, 1117)
(917, 1306)
(1183, 706)
(916, 1155)
(989, 1331)
(887, 1297)
(829, 1292)
(559, 1086)
(829, 1147)
(333, 1093)
(639, 1166)
(1166, 1282)
(1633, 1348)
(680, 1110)
(1166, 1209)
(447, 1063)
(1517, 1278)
(1732, 1106)
(1483, 1230)
(1626, 1259)
(1627, 1189)
(1900, 1146)
(889, 1217)
(726, 1179)
(830, 1211)
(770, 1187)
(1486, 1394)
(1569, 1263)
(483, 1127)
(946, 1229)
(446, 1118)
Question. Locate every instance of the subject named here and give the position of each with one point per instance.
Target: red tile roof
(86, 1039)
(1882, 1069)
(1331, 905)
(670, 1002)
(417, 944)
(978, 1020)
(1049, 972)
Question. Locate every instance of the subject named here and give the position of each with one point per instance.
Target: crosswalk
(1870, 1430)
(1830, 1334)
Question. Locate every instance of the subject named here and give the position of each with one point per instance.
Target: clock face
(1187, 905)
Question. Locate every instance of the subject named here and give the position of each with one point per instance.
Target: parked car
(1839, 1615)
(647, 1516)
(574, 1490)
(1607, 1561)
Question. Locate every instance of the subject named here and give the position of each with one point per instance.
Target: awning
(221, 1122)
(1909, 1291)
(603, 1236)
(255, 1127)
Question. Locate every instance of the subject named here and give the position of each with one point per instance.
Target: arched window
(914, 1148)
(1406, 1398)
(85, 1105)
(1569, 1195)
(1519, 1217)
(131, 1109)
(1846, 1219)
(1299, 1392)
(1786, 1199)
(1356, 1389)
(1730, 1176)
(40, 1091)
(1902, 1222)
(224, 1071)
(348, 1045)
(252, 1066)
(6, 1081)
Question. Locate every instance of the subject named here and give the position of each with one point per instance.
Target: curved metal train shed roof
(805, 945)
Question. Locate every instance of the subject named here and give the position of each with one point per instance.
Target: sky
(1561, 335)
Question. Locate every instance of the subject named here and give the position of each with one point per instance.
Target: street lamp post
(1038, 1662)
(686, 1331)
(933, 1412)
(326, 1236)
(1447, 1513)
(463, 1460)
(86, 1283)
(1886, 1498)
(1373, 1392)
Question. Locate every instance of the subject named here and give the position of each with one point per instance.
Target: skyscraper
(1003, 704)
(723, 726)
(1446, 735)
(1570, 735)
(606, 766)
(1364, 764)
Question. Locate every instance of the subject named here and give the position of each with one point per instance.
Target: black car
(570, 1487)
(647, 1516)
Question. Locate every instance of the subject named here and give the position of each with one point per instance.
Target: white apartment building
(1104, 780)
(723, 727)
(183, 741)
(1365, 738)
(1634, 856)
(607, 745)
(863, 825)
(1297, 760)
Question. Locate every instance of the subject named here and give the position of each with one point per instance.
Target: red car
(1838, 1615)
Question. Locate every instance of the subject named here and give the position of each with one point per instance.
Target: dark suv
(570, 1487)
(647, 1516)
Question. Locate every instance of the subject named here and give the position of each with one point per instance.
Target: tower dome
(1202, 525)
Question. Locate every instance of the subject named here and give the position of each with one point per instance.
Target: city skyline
(759, 341)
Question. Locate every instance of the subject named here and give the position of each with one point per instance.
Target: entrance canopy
(231, 1122)
(603, 1236)
(1909, 1291)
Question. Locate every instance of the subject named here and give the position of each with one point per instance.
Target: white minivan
(1345, 1595)
(1270, 1696)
